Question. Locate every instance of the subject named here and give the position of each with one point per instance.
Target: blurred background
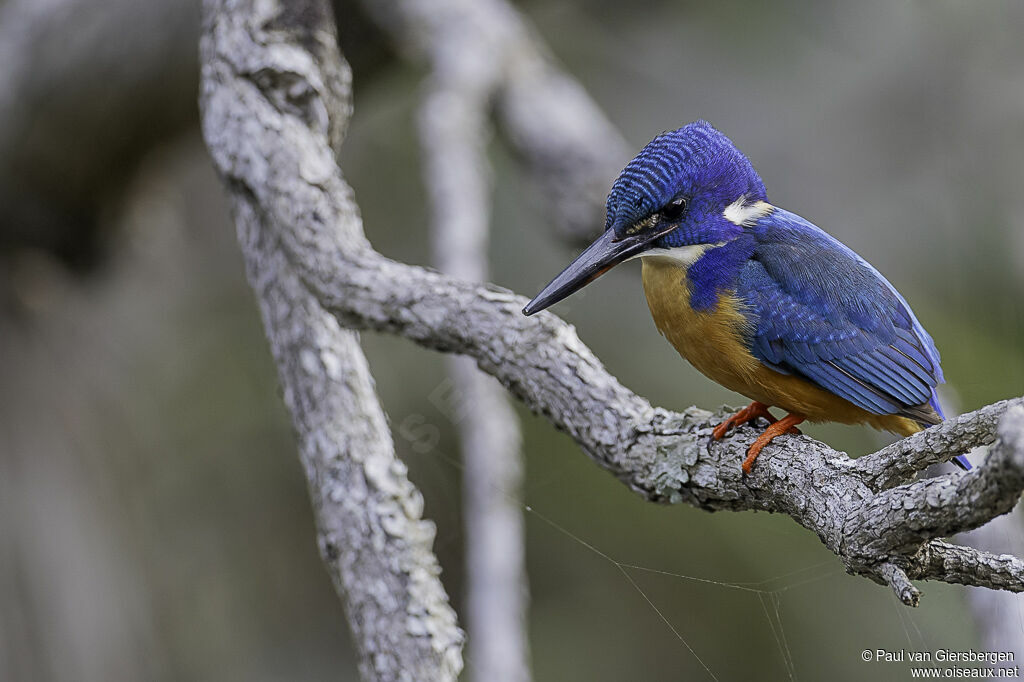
(154, 521)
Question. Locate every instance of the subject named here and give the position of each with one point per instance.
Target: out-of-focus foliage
(153, 517)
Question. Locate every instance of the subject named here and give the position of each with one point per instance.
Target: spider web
(769, 597)
(769, 592)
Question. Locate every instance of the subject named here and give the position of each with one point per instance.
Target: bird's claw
(780, 426)
(748, 414)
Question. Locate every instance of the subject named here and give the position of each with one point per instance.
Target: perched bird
(757, 298)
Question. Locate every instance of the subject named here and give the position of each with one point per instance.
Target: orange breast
(713, 342)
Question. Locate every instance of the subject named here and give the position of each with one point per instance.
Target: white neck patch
(684, 256)
(741, 213)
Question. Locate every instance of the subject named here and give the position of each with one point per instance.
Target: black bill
(605, 253)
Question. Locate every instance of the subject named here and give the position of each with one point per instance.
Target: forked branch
(272, 127)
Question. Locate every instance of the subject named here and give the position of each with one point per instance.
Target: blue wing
(824, 313)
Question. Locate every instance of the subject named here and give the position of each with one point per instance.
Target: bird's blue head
(686, 187)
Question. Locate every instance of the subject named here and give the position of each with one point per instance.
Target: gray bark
(663, 456)
(275, 101)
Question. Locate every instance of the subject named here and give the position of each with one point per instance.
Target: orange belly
(713, 343)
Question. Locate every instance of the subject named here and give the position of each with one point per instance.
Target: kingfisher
(757, 298)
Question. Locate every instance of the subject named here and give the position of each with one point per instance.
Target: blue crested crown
(694, 158)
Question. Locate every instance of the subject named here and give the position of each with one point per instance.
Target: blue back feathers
(820, 310)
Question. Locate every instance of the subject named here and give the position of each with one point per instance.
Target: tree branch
(271, 72)
(949, 504)
(962, 565)
(285, 163)
(900, 462)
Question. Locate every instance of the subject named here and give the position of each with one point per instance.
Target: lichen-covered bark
(273, 115)
(275, 101)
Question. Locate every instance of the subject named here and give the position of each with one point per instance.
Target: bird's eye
(673, 210)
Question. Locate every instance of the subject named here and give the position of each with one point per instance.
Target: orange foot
(744, 416)
(785, 425)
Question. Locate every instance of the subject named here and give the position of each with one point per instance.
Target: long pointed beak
(598, 258)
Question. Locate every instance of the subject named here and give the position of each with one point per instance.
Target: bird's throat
(712, 341)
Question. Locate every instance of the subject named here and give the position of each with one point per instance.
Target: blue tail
(960, 460)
